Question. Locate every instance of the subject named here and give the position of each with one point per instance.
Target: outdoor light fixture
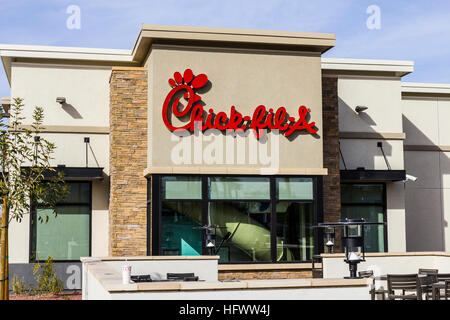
(352, 240)
(329, 236)
(61, 100)
(211, 239)
(353, 243)
(410, 178)
(359, 109)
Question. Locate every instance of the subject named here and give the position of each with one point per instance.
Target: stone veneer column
(128, 159)
(331, 155)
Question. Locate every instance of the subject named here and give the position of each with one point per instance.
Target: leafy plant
(24, 167)
(46, 278)
(19, 286)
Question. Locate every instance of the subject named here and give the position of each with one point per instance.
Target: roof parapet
(425, 89)
(366, 66)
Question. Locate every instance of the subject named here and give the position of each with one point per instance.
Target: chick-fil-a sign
(260, 120)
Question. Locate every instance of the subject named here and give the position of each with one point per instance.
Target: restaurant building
(251, 131)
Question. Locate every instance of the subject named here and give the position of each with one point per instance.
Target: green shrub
(46, 279)
(19, 286)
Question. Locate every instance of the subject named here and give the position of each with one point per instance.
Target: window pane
(373, 234)
(64, 237)
(245, 232)
(181, 187)
(295, 188)
(239, 188)
(179, 232)
(362, 193)
(79, 192)
(295, 236)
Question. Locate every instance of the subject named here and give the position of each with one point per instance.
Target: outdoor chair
(443, 277)
(447, 289)
(404, 282)
(428, 271)
(427, 289)
(373, 292)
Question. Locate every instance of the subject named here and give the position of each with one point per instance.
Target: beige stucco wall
(382, 96)
(396, 216)
(86, 114)
(245, 79)
(425, 121)
(86, 89)
(365, 153)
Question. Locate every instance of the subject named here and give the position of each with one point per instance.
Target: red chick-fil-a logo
(260, 120)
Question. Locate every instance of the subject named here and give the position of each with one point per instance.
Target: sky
(415, 30)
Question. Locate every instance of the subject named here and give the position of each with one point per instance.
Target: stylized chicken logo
(261, 120)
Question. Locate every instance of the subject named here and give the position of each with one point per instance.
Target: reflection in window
(366, 201)
(243, 188)
(245, 230)
(295, 188)
(295, 236)
(181, 187)
(66, 236)
(243, 208)
(180, 234)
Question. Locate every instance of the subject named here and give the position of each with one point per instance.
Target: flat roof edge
(425, 88)
(398, 67)
(65, 53)
(238, 32)
(49, 49)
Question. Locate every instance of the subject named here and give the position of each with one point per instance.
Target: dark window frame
(33, 231)
(154, 210)
(363, 204)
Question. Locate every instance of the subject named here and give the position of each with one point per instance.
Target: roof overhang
(373, 175)
(367, 67)
(11, 53)
(226, 37)
(74, 173)
(157, 34)
(413, 89)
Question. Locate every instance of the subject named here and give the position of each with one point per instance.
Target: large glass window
(366, 201)
(180, 232)
(295, 237)
(66, 236)
(258, 219)
(239, 188)
(244, 230)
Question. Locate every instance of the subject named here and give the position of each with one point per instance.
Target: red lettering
(261, 119)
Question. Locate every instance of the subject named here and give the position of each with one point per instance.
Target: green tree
(25, 167)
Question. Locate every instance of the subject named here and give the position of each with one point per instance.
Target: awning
(75, 173)
(373, 175)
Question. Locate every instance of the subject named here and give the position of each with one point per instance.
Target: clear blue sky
(416, 30)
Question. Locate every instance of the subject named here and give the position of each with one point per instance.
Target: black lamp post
(210, 238)
(329, 236)
(353, 243)
(211, 241)
(352, 240)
